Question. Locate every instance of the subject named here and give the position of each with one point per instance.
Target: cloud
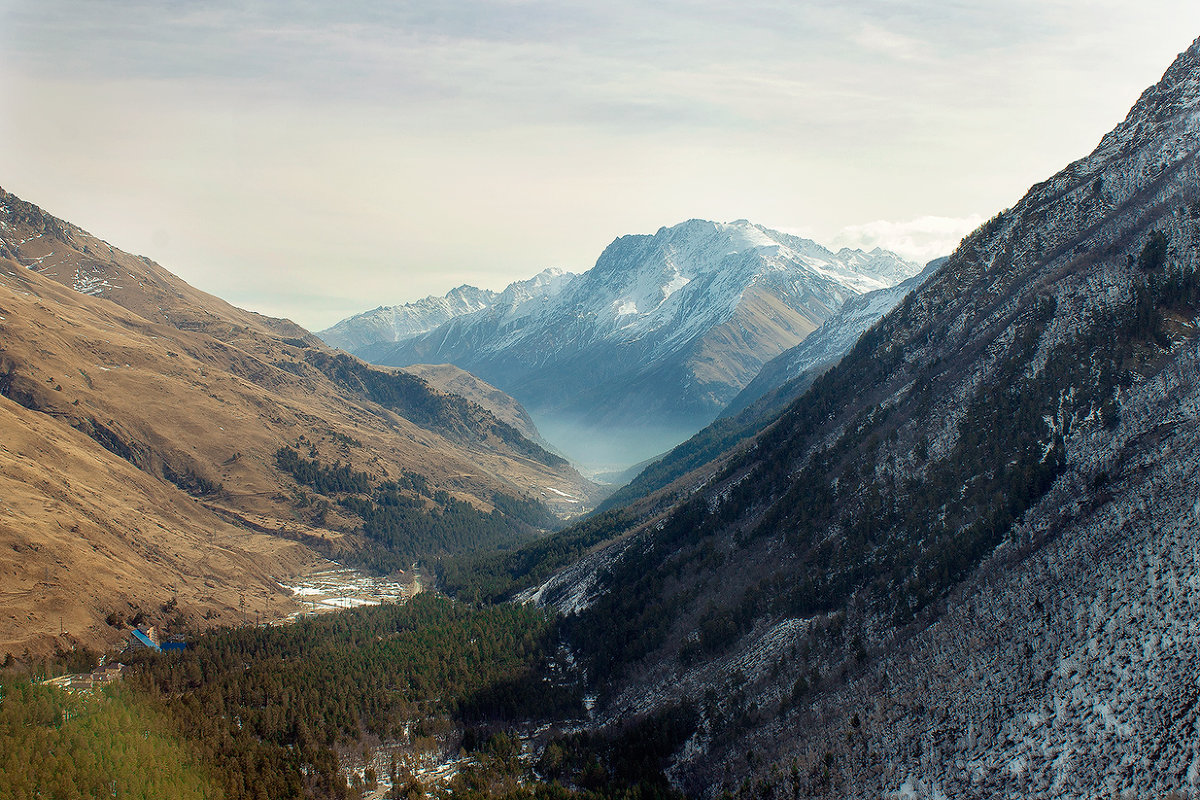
(361, 153)
(889, 43)
(921, 239)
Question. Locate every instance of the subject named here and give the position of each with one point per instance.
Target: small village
(324, 589)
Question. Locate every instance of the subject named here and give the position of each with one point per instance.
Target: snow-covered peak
(692, 248)
(522, 298)
(399, 322)
(678, 282)
(700, 247)
(544, 285)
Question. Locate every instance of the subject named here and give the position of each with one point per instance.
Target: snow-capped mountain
(777, 385)
(826, 345)
(964, 562)
(396, 323)
(651, 343)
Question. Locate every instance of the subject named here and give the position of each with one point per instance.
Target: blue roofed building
(144, 637)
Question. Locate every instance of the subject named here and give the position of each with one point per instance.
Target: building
(79, 683)
(107, 674)
(144, 637)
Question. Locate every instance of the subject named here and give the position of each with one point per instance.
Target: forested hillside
(339, 706)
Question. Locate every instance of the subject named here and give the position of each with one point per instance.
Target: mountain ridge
(666, 327)
(780, 381)
(386, 324)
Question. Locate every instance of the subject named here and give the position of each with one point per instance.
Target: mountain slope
(452, 380)
(824, 347)
(650, 344)
(778, 383)
(930, 577)
(84, 534)
(206, 402)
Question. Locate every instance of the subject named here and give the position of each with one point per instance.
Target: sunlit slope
(197, 398)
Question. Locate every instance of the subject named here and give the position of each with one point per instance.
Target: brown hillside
(84, 534)
(134, 373)
(449, 378)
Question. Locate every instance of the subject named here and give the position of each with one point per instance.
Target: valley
(624, 361)
(883, 529)
(144, 424)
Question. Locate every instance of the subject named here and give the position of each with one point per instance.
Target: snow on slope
(1054, 657)
(665, 327)
(396, 323)
(828, 343)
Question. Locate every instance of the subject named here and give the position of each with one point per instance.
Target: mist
(603, 453)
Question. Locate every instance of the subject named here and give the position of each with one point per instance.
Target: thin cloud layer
(922, 239)
(364, 153)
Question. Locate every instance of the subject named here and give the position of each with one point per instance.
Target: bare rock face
(962, 564)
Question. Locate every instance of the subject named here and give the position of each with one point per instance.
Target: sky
(316, 159)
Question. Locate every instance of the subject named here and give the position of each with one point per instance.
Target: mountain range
(386, 324)
(941, 542)
(642, 350)
(962, 562)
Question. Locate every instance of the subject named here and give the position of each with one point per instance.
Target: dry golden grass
(84, 533)
(175, 381)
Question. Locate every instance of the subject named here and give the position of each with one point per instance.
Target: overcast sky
(315, 159)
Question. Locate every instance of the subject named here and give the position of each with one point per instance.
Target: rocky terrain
(636, 354)
(962, 563)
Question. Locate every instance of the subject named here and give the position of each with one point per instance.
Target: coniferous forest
(275, 712)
